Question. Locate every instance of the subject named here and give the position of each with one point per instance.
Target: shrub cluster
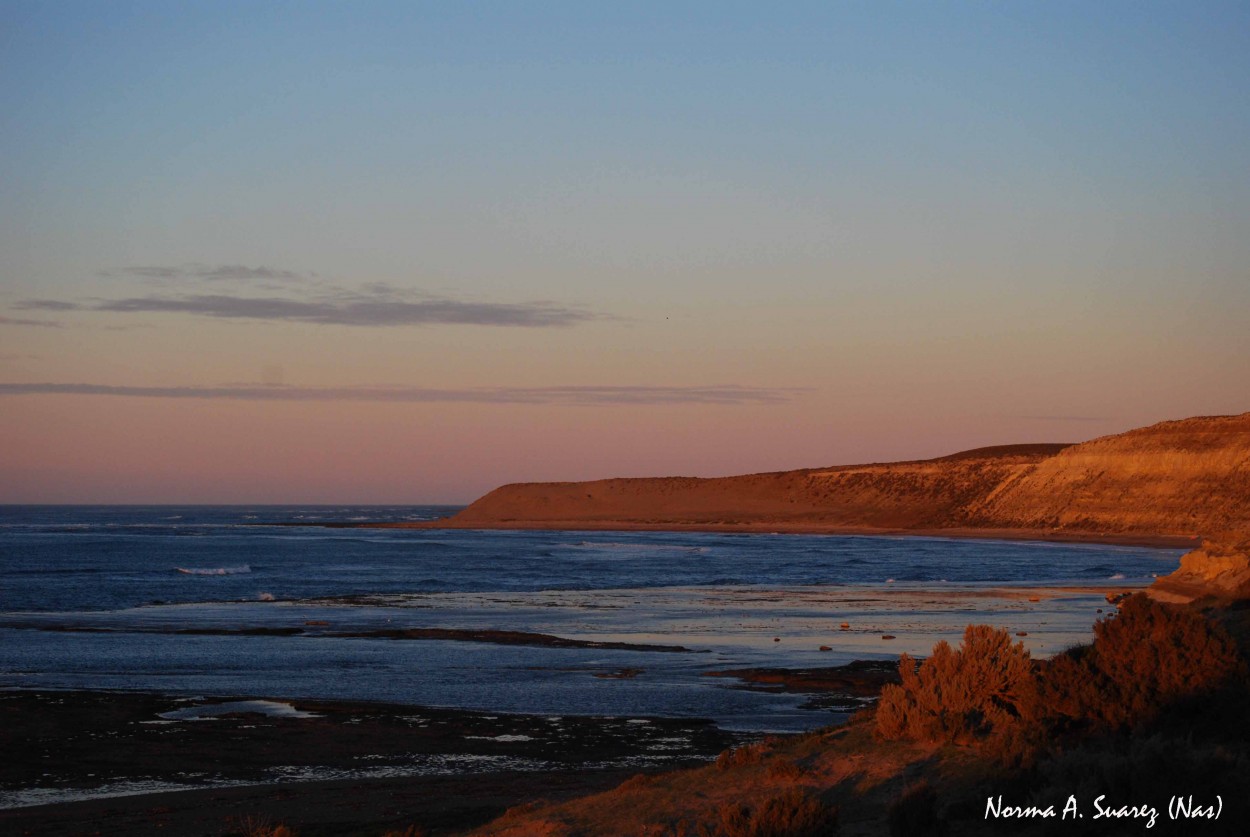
(744, 755)
(792, 813)
(259, 826)
(985, 687)
(1148, 656)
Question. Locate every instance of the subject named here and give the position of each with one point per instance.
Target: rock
(1219, 568)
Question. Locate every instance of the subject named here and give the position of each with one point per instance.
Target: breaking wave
(214, 570)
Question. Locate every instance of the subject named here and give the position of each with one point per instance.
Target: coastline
(179, 764)
(352, 766)
(374, 803)
(440, 804)
(777, 527)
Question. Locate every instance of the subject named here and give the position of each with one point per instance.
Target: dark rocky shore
(212, 765)
(385, 766)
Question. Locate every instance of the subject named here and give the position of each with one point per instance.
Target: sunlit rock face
(1177, 479)
(1217, 568)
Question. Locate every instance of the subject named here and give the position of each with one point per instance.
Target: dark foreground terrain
(70, 741)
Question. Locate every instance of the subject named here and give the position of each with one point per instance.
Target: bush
(635, 782)
(785, 770)
(743, 756)
(985, 687)
(260, 826)
(1147, 657)
(792, 813)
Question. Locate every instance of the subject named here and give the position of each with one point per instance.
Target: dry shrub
(1147, 657)
(985, 687)
(742, 756)
(785, 770)
(410, 831)
(915, 813)
(520, 811)
(635, 782)
(260, 826)
(539, 828)
(792, 813)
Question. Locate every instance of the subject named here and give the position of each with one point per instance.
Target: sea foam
(214, 570)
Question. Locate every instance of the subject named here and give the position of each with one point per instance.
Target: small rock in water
(887, 636)
(776, 639)
(1022, 633)
(825, 648)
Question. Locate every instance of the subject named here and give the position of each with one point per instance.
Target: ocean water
(214, 601)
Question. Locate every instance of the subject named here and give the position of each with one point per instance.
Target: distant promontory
(1173, 482)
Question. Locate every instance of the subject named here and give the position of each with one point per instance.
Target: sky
(272, 252)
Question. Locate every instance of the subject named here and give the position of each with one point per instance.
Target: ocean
(215, 601)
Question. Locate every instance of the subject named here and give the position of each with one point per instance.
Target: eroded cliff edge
(1174, 481)
(1183, 479)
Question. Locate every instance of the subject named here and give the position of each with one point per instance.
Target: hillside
(919, 494)
(1173, 480)
(1188, 477)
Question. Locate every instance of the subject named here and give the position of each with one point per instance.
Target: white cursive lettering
(1184, 807)
(1134, 811)
(996, 808)
(1070, 808)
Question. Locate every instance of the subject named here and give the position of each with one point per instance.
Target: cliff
(1219, 569)
(901, 495)
(1188, 477)
(1175, 480)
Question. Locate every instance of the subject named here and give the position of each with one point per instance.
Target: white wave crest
(244, 568)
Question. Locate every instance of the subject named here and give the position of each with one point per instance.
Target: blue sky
(970, 213)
